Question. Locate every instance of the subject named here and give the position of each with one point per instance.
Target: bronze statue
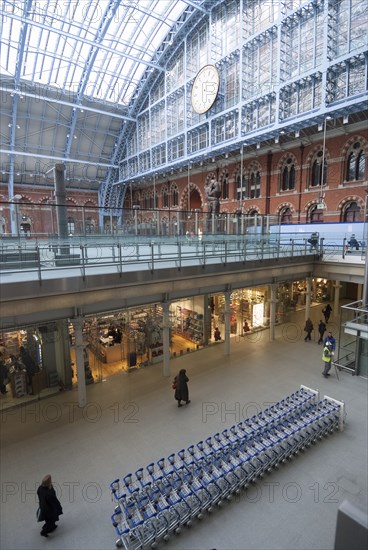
(213, 194)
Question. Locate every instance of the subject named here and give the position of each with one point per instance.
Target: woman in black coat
(49, 504)
(181, 391)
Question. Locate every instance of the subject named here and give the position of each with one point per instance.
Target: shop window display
(125, 339)
(247, 310)
(189, 324)
(292, 295)
(22, 374)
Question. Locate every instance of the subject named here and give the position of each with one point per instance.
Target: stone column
(336, 307)
(272, 303)
(308, 297)
(60, 203)
(79, 359)
(166, 336)
(227, 322)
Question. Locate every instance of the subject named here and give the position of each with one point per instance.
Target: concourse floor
(132, 419)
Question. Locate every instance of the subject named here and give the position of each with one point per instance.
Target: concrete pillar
(60, 205)
(308, 297)
(55, 352)
(359, 292)
(336, 307)
(227, 322)
(314, 291)
(79, 359)
(272, 303)
(207, 316)
(166, 336)
(60, 200)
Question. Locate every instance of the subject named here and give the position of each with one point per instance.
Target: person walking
(327, 312)
(49, 505)
(308, 329)
(29, 364)
(181, 388)
(327, 358)
(321, 331)
(331, 340)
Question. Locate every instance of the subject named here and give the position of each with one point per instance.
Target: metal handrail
(142, 254)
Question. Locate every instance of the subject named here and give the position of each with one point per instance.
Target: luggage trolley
(155, 525)
(270, 452)
(122, 529)
(195, 482)
(177, 504)
(205, 474)
(213, 444)
(227, 480)
(162, 506)
(248, 471)
(190, 496)
(132, 483)
(159, 499)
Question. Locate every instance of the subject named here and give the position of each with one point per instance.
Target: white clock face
(205, 88)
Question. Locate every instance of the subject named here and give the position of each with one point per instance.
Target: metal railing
(122, 254)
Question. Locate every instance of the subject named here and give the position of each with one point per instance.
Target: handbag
(39, 514)
(174, 384)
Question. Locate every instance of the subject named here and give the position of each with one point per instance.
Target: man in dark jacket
(50, 506)
(321, 330)
(308, 329)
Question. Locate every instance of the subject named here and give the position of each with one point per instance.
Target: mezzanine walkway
(49, 280)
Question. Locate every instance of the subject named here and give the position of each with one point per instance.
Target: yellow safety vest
(326, 355)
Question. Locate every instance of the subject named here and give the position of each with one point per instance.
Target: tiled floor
(132, 419)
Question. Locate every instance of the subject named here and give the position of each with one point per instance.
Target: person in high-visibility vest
(327, 358)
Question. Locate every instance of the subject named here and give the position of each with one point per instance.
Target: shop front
(34, 362)
(121, 341)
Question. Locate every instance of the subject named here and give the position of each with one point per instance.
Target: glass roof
(96, 49)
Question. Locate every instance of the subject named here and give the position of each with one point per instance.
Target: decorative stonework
(284, 206)
(184, 195)
(283, 161)
(251, 208)
(351, 198)
(350, 142)
(314, 152)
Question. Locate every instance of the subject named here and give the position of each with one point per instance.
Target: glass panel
(361, 166)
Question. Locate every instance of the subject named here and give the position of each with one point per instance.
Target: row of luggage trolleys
(158, 500)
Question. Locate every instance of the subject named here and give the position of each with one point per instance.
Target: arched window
(137, 199)
(355, 167)
(165, 198)
(285, 216)
(89, 226)
(288, 176)
(225, 185)
(71, 226)
(351, 213)
(146, 201)
(175, 196)
(240, 188)
(315, 215)
(316, 172)
(255, 184)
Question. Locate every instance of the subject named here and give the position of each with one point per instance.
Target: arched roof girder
(110, 11)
